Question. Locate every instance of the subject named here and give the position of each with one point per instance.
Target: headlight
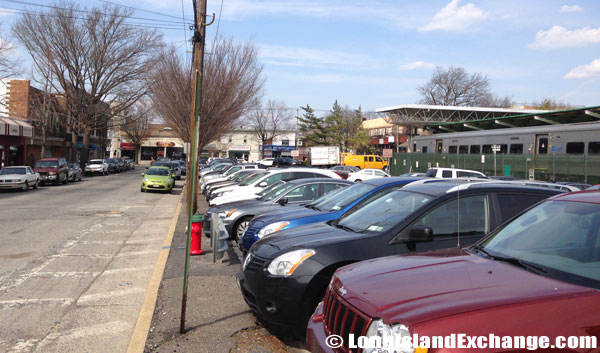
(397, 336)
(52, 173)
(272, 228)
(219, 194)
(146, 180)
(286, 264)
(168, 180)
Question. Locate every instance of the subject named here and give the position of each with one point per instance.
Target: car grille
(339, 318)
(156, 186)
(255, 263)
(7, 181)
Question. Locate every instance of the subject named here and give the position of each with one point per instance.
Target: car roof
(15, 166)
(159, 167)
(592, 196)
(392, 180)
(316, 180)
(437, 187)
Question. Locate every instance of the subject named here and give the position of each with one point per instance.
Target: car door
(31, 178)
(453, 223)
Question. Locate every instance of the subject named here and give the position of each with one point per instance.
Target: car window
(276, 177)
(370, 159)
(378, 159)
(158, 171)
(344, 198)
(304, 175)
(379, 173)
(330, 187)
(512, 204)
(470, 213)
(307, 192)
(7, 171)
(431, 172)
(447, 174)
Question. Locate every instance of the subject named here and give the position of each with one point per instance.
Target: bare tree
(456, 87)
(136, 125)
(232, 85)
(97, 60)
(551, 104)
(271, 121)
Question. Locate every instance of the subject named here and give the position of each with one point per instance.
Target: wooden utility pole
(192, 183)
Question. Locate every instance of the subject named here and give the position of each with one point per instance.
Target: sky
(376, 54)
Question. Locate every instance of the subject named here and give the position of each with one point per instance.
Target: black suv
(285, 275)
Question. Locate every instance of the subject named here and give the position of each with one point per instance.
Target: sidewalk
(217, 319)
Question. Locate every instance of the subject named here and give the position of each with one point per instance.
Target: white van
(451, 173)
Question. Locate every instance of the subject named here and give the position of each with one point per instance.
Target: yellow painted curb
(142, 326)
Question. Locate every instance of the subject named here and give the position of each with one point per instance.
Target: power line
(88, 12)
(143, 10)
(219, 20)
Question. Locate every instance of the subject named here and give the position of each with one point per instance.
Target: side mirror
(143, 174)
(283, 201)
(263, 184)
(420, 233)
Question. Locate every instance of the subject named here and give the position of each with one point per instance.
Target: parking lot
(76, 261)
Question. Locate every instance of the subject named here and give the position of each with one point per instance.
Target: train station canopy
(421, 114)
(537, 118)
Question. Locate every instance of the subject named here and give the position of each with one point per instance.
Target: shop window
(285, 142)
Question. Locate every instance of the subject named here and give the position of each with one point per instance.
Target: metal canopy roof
(420, 114)
(539, 118)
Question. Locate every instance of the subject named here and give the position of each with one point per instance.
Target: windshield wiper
(512, 260)
(313, 207)
(346, 228)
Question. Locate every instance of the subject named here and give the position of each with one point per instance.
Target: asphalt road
(76, 260)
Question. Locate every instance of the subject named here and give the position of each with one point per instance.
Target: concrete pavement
(76, 261)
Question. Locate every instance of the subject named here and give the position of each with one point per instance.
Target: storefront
(13, 141)
(127, 149)
(276, 150)
(155, 148)
(239, 152)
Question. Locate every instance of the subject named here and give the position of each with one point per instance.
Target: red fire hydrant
(196, 243)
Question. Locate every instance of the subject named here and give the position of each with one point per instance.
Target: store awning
(15, 127)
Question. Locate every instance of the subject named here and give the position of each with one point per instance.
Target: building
(245, 144)
(385, 134)
(163, 142)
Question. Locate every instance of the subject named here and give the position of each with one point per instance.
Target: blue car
(327, 208)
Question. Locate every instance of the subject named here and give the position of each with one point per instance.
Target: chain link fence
(571, 168)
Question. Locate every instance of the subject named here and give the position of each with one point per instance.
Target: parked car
(18, 177)
(214, 168)
(283, 162)
(365, 161)
(94, 166)
(113, 166)
(344, 170)
(210, 178)
(411, 174)
(594, 187)
(174, 167)
(367, 174)
(75, 172)
(158, 178)
(130, 163)
(237, 215)
(248, 192)
(580, 186)
(267, 161)
(121, 165)
(321, 210)
(285, 275)
(52, 170)
(522, 280)
(182, 166)
(453, 173)
(236, 178)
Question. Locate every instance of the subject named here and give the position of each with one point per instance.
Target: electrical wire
(219, 20)
(148, 11)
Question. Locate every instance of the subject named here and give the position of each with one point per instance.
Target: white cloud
(294, 56)
(571, 8)
(560, 37)
(585, 71)
(415, 65)
(455, 18)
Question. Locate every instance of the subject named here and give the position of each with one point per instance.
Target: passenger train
(579, 138)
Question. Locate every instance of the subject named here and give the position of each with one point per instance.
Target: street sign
(295, 153)
(482, 158)
(496, 148)
(531, 174)
(387, 153)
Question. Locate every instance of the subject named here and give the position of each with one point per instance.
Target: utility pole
(192, 185)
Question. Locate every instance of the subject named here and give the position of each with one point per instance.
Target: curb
(137, 342)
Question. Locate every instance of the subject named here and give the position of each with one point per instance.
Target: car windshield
(46, 164)
(6, 171)
(221, 167)
(343, 198)
(240, 176)
(253, 178)
(96, 161)
(158, 171)
(560, 238)
(385, 212)
(110, 160)
(431, 172)
(73, 165)
(232, 170)
(274, 192)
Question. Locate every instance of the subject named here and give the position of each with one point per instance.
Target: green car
(158, 178)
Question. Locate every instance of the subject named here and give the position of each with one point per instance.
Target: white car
(366, 174)
(96, 166)
(19, 177)
(453, 173)
(267, 161)
(248, 192)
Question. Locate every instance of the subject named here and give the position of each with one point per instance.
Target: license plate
(156, 185)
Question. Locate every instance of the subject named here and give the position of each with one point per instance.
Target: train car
(580, 138)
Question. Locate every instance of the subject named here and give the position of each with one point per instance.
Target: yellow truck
(365, 161)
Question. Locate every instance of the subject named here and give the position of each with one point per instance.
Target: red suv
(53, 170)
(538, 275)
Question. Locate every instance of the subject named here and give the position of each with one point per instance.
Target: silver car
(20, 177)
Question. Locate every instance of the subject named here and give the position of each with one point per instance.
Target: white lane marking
(67, 274)
(135, 253)
(15, 303)
(104, 256)
(106, 295)
(127, 269)
(23, 345)
(101, 330)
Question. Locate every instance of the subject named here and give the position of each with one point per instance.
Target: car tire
(36, 185)
(66, 180)
(57, 180)
(240, 228)
(142, 190)
(357, 180)
(25, 186)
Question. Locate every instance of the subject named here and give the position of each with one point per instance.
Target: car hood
(421, 287)
(157, 178)
(310, 236)
(46, 170)
(284, 215)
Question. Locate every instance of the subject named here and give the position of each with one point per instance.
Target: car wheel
(240, 228)
(80, 177)
(35, 186)
(25, 186)
(57, 180)
(142, 190)
(357, 180)
(66, 180)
